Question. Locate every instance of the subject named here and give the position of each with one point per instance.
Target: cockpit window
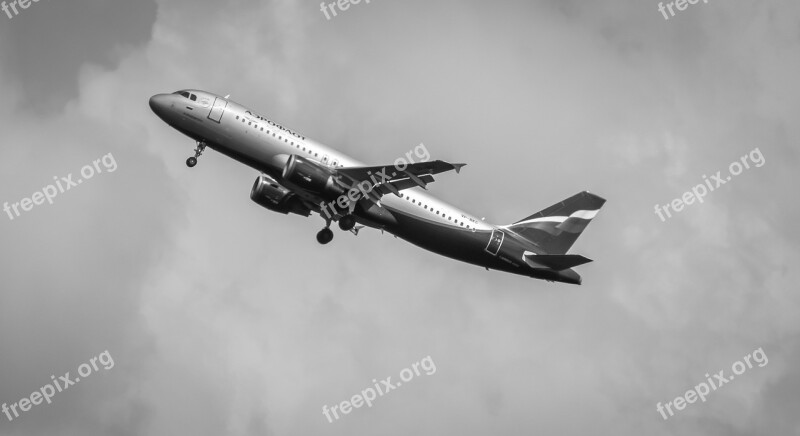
(186, 94)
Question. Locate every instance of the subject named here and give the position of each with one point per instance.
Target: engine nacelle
(312, 177)
(271, 195)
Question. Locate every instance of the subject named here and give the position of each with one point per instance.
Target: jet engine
(312, 177)
(271, 195)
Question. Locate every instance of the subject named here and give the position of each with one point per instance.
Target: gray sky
(225, 318)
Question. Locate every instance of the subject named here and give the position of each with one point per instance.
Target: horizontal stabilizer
(557, 262)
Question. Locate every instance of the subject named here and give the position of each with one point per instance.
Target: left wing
(378, 181)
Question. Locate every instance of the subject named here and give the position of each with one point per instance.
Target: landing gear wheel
(324, 236)
(347, 222)
(192, 161)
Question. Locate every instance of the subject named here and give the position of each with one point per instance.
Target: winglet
(458, 167)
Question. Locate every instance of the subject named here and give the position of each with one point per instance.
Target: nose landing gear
(192, 161)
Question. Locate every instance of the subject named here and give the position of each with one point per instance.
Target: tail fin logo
(557, 227)
(576, 222)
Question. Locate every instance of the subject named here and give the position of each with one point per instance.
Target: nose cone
(159, 104)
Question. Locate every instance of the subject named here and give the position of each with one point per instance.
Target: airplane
(301, 176)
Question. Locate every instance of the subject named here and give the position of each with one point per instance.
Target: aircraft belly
(249, 150)
(453, 242)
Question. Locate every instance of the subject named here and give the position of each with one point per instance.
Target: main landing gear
(346, 223)
(325, 235)
(192, 161)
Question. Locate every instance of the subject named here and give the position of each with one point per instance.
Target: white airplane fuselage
(414, 215)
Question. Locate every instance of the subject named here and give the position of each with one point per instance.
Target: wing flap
(401, 184)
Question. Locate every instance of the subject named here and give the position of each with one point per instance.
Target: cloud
(225, 318)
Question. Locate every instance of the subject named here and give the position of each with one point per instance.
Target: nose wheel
(192, 161)
(325, 235)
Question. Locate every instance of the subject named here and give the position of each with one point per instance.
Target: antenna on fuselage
(226, 97)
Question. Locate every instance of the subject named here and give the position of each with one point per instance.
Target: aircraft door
(495, 241)
(218, 109)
